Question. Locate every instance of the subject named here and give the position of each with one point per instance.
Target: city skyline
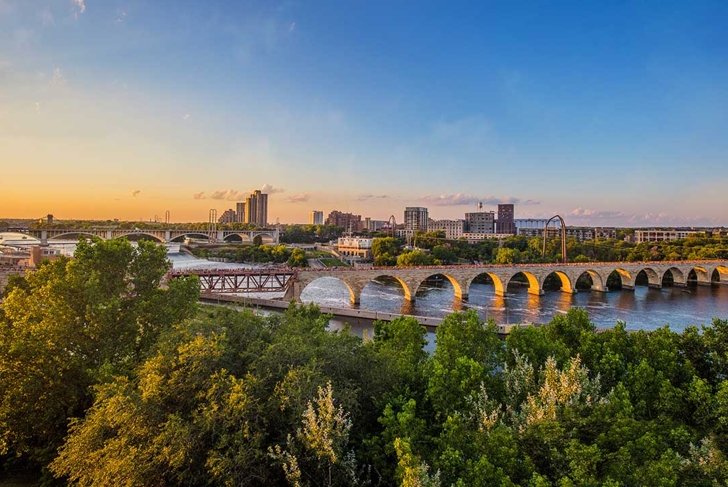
(607, 115)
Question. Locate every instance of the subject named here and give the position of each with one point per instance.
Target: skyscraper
(256, 208)
(240, 212)
(415, 219)
(480, 222)
(317, 217)
(506, 223)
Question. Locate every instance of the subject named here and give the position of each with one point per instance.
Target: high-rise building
(454, 229)
(317, 217)
(256, 209)
(505, 223)
(240, 212)
(262, 210)
(228, 216)
(480, 222)
(415, 219)
(348, 221)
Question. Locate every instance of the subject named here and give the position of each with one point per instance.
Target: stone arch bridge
(160, 235)
(461, 277)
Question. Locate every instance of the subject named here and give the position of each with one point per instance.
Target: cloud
(186, 116)
(298, 198)
(199, 196)
(461, 199)
(590, 214)
(57, 78)
(80, 7)
(136, 192)
(269, 189)
(291, 27)
(228, 194)
(120, 17)
(365, 197)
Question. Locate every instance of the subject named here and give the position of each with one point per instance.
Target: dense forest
(108, 378)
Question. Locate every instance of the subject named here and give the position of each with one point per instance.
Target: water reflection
(643, 308)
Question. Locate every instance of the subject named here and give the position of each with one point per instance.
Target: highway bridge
(292, 282)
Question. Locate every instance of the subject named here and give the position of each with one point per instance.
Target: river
(643, 308)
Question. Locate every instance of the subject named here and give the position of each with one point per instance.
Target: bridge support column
(702, 281)
(681, 281)
(536, 291)
(109, 235)
(44, 238)
(167, 235)
(654, 285)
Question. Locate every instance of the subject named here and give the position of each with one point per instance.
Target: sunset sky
(609, 113)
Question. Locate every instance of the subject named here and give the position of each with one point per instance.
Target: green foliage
(73, 324)
(157, 395)
(414, 258)
(278, 254)
(297, 258)
(310, 233)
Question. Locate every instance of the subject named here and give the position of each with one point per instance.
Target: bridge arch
(673, 277)
(140, 233)
(534, 285)
(408, 295)
(498, 285)
(624, 278)
(598, 283)
(722, 274)
(58, 236)
(566, 285)
(179, 238)
(699, 275)
(347, 292)
(457, 288)
(654, 279)
(232, 237)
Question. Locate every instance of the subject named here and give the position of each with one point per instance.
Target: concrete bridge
(704, 273)
(160, 235)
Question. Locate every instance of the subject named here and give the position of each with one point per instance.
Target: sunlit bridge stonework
(293, 282)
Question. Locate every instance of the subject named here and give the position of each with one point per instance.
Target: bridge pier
(653, 285)
(44, 238)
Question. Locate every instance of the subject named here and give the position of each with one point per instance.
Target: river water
(643, 308)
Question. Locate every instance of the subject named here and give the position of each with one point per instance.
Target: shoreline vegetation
(106, 379)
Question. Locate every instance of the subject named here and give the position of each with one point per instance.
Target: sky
(608, 113)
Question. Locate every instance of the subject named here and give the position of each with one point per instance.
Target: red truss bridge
(232, 281)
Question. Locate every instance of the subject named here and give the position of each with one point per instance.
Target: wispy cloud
(228, 195)
(199, 196)
(57, 78)
(586, 213)
(366, 197)
(80, 6)
(269, 189)
(462, 199)
(136, 192)
(298, 198)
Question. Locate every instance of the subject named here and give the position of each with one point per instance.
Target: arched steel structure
(392, 224)
(564, 258)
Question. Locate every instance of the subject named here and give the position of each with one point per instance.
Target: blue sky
(606, 112)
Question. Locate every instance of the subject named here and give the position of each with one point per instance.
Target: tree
(297, 258)
(76, 323)
(385, 251)
(507, 256)
(414, 258)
